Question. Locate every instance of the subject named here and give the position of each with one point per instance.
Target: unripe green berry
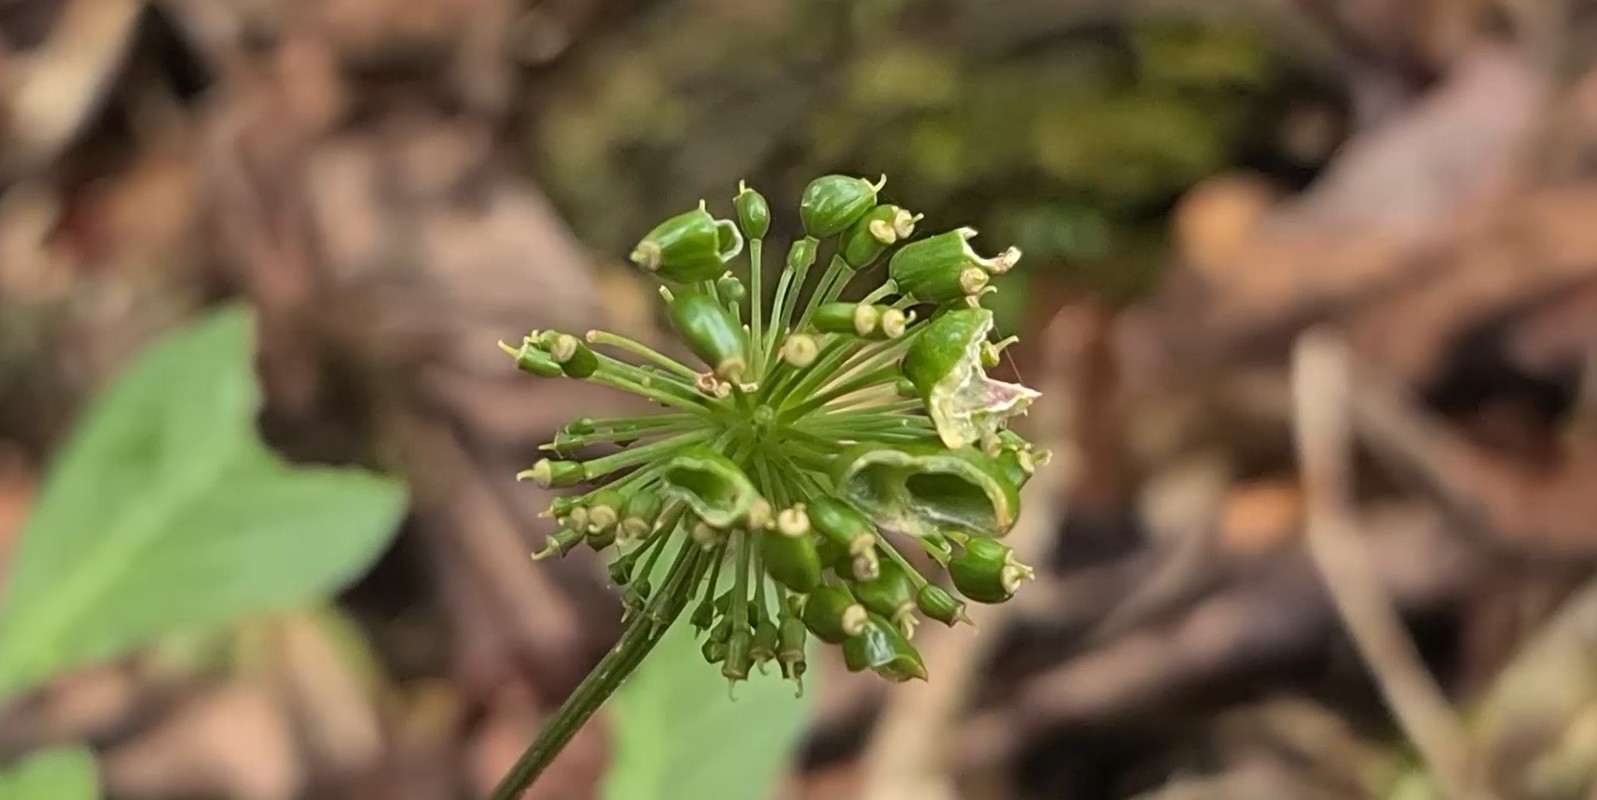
(831, 203)
(709, 332)
(801, 256)
(873, 233)
(754, 214)
(604, 510)
(575, 358)
(558, 544)
(766, 640)
(891, 594)
(986, 571)
(881, 648)
(692, 246)
(854, 319)
(943, 268)
(549, 474)
(789, 552)
(715, 646)
(639, 513)
(738, 654)
(831, 613)
(936, 603)
(533, 359)
(844, 526)
(731, 290)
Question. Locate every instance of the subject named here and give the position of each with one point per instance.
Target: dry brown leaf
(233, 741)
(1261, 516)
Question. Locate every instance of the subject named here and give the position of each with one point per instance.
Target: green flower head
(809, 440)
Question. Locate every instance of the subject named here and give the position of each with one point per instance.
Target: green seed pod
(943, 268)
(709, 332)
(704, 616)
(832, 615)
(854, 319)
(1018, 465)
(549, 474)
(558, 544)
(987, 571)
(831, 203)
(801, 256)
(754, 214)
(865, 566)
(936, 603)
(691, 246)
(891, 594)
(873, 233)
(577, 519)
(620, 569)
(849, 531)
(739, 655)
(791, 636)
(918, 489)
(599, 540)
(561, 507)
(604, 510)
(832, 554)
(766, 639)
(789, 552)
(881, 648)
(714, 488)
(731, 290)
(639, 513)
(533, 359)
(841, 523)
(944, 364)
(715, 646)
(575, 359)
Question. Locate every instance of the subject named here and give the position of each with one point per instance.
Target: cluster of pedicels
(773, 491)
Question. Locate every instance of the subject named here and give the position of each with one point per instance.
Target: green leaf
(165, 514)
(65, 773)
(678, 734)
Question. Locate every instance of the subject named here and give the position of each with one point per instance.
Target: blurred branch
(1320, 375)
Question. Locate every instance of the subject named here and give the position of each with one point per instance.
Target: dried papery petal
(945, 366)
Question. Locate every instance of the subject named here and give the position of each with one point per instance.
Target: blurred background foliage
(1073, 143)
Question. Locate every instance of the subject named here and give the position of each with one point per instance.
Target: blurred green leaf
(65, 773)
(165, 513)
(678, 734)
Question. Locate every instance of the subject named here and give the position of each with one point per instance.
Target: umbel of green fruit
(804, 437)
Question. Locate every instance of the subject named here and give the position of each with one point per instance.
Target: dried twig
(1320, 384)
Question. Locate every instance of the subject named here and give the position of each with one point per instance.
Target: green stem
(778, 317)
(697, 405)
(823, 291)
(640, 637)
(640, 349)
(864, 380)
(756, 306)
(599, 467)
